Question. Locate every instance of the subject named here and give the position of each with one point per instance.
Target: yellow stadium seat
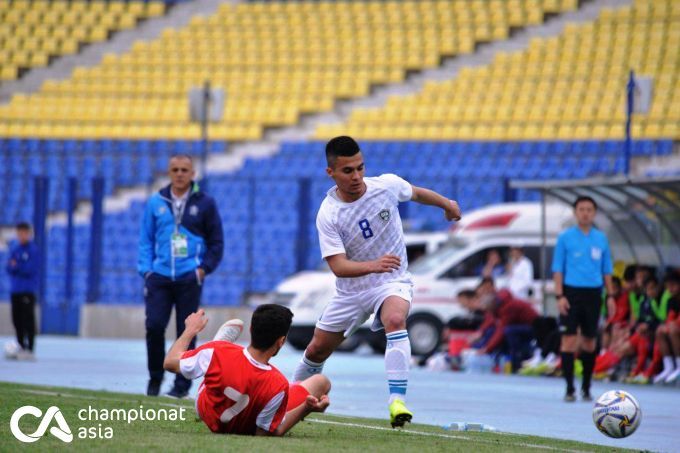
(8, 72)
(108, 20)
(39, 59)
(670, 129)
(651, 130)
(127, 21)
(154, 9)
(117, 7)
(68, 46)
(277, 59)
(97, 33)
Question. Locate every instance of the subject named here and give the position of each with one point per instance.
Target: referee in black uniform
(581, 264)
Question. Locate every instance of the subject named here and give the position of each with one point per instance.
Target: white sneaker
(229, 331)
(673, 376)
(11, 350)
(548, 365)
(533, 361)
(661, 377)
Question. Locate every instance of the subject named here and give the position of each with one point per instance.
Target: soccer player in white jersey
(362, 240)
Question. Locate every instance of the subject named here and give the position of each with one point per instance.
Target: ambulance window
(415, 251)
(472, 265)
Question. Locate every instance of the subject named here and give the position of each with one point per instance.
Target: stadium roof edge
(591, 182)
(640, 214)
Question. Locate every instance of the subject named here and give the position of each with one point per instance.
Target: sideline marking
(89, 397)
(448, 436)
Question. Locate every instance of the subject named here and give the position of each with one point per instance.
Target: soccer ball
(11, 349)
(617, 414)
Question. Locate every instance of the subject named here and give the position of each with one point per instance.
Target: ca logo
(63, 432)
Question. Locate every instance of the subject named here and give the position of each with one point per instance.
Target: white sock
(306, 369)
(397, 363)
(668, 363)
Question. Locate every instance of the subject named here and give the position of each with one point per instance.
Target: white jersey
(521, 277)
(366, 229)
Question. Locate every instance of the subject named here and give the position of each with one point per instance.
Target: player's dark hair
(584, 198)
(651, 279)
(616, 281)
(269, 323)
(25, 226)
(486, 281)
(629, 273)
(644, 270)
(673, 277)
(340, 146)
(468, 293)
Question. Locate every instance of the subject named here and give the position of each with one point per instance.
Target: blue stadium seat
(664, 147)
(481, 166)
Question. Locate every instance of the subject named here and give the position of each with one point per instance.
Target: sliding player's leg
(318, 386)
(229, 331)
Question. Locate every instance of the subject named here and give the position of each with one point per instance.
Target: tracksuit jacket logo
(62, 432)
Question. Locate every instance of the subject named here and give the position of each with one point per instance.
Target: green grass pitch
(319, 432)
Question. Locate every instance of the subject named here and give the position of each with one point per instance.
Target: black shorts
(584, 311)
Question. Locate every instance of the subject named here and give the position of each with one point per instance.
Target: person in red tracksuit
(666, 356)
(616, 330)
(512, 321)
(647, 317)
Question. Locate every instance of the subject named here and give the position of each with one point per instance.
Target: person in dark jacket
(180, 243)
(23, 269)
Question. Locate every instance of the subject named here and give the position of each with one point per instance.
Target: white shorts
(346, 313)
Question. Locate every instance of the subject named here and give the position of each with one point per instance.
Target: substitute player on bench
(362, 240)
(241, 392)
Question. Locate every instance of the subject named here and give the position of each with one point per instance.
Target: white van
(438, 275)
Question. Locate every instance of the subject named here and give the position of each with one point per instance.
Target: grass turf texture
(319, 432)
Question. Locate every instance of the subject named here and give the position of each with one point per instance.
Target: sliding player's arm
(194, 323)
(432, 198)
(312, 404)
(346, 268)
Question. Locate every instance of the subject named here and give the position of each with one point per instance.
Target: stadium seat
(145, 90)
(58, 28)
(569, 87)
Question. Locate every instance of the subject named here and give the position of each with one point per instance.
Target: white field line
(448, 436)
(88, 397)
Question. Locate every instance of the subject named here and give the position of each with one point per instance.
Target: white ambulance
(452, 262)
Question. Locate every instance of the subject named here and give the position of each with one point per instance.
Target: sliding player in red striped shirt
(241, 392)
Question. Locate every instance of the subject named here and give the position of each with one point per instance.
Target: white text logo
(63, 432)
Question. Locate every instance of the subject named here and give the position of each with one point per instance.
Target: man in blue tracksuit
(582, 264)
(23, 270)
(180, 243)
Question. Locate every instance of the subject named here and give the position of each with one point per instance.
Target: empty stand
(34, 31)
(275, 60)
(261, 241)
(570, 87)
